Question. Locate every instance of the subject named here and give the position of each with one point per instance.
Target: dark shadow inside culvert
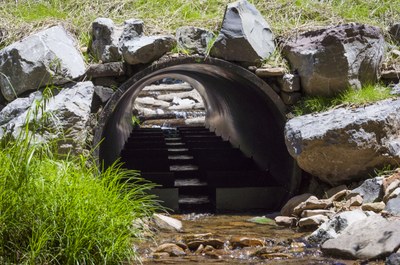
(240, 107)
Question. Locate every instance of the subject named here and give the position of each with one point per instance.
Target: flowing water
(281, 245)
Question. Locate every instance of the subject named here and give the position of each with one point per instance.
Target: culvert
(240, 107)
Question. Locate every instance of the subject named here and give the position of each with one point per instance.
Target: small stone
(200, 249)
(312, 220)
(388, 180)
(339, 195)
(160, 255)
(172, 249)
(290, 83)
(285, 221)
(215, 243)
(287, 209)
(167, 223)
(208, 249)
(394, 194)
(106, 70)
(270, 72)
(309, 213)
(311, 203)
(355, 201)
(194, 40)
(373, 206)
(371, 190)
(390, 189)
(241, 242)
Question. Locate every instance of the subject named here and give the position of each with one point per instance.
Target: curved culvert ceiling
(240, 107)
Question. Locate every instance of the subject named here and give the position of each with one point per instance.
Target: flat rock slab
(47, 57)
(369, 238)
(346, 144)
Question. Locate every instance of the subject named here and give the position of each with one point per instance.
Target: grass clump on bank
(366, 95)
(55, 211)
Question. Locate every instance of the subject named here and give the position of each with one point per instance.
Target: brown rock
(285, 221)
(309, 213)
(388, 180)
(312, 203)
(160, 255)
(241, 242)
(106, 70)
(339, 195)
(373, 206)
(392, 195)
(329, 193)
(200, 249)
(172, 249)
(287, 210)
(389, 189)
(355, 201)
(270, 71)
(215, 243)
(312, 220)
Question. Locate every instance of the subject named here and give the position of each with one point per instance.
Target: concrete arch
(240, 107)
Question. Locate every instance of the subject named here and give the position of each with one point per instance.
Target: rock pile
(367, 216)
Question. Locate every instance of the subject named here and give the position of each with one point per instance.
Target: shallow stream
(280, 245)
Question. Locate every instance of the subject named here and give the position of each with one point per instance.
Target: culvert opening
(242, 112)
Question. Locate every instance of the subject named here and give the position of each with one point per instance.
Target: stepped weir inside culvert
(243, 114)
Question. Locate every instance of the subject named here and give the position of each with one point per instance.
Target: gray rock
(393, 206)
(312, 221)
(100, 97)
(66, 120)
(146, 49)
(47, 57)
(17, 107)
(393, 259)
(346, 144)
(335, 226)
(193, 39)
(394, 31)
(106, 70)
(371, 190)
(331, 60)
(245, 36)
(133, 28)
(105, 39)
(368, 238)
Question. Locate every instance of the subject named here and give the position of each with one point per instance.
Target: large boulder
(346, 144)
(331, 60)
(146, 49)
(64, 118)
(47, 57)
(192, 39)
(369, 238)
(245, 36)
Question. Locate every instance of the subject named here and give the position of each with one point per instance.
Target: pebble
(373, 206)
(173, 250)
(285, 221)
(241, 242)
(312, 221)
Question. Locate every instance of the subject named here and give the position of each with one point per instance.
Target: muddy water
(281, 245)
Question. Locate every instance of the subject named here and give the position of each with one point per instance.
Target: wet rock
(106, 70)
(311, 203)
(17, 107)
(368, 238)
(312, 221)
(356, 49)
(172, 249)
(309, 213)
(394, 32)
(354, 141)
(393, 259)
(285, 221)
(287, 209)
(335, 226)
(146, 49)
(393, 206)
(47, 57)
(271, 72)
(290, 83)
(371, 190)
(242, 242)
(160, 255)
(215, 243)
(167, 223)
(105, 38)
(245, 36)
(261, 252)
(193, 39)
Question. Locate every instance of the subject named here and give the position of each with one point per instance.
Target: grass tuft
(366, 95)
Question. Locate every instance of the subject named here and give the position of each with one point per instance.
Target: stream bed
(241, 241)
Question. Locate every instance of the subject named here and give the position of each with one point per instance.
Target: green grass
(366, 95)
(65, 211)
(19, 18)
